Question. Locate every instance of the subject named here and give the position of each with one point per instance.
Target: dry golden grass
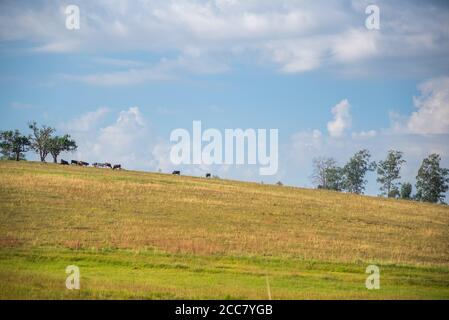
(73, 207)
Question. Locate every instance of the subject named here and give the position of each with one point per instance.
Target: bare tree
(321, 169)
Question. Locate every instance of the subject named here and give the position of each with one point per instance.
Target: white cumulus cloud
(432, 115)
(290, 36)
(87, 121)
(342, 119)
(127, 141)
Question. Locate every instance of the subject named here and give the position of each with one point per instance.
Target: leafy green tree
(13, 145)
(432, 180)
(406, 191)
(41, 140)
(61, 144)
(355, 170)
(335, 178)
(388, 172)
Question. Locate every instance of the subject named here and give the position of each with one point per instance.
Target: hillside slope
(52, 211)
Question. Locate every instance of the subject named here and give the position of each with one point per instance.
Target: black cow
(107, 165)
(74, 162)
(63, 162)
(177, 173)
(84, 164)
(208, 175)
(117, 167)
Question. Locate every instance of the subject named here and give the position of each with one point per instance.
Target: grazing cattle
(96, 165)
(117, 167)
(177, 173)
(208, 175)
(74, 162)
(107, 165)
(84, 164)
(63, 162)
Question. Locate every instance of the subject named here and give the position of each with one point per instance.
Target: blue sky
(137, 70)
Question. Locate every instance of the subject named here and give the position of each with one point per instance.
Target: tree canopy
(61, 144)
(432, 180)
(355, 170)
(13, 145)
(388, 172)
(41, 139)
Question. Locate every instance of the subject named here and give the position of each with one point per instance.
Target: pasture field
(137, 235)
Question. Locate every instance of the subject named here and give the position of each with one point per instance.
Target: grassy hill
(153, 236)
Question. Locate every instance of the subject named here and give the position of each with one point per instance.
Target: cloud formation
(127, 141)
(432, 110)
(86, 122)
(432, 115)
(212, 36)
(342, 119)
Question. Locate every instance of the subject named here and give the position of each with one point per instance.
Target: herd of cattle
(110, 166)
(96, 165)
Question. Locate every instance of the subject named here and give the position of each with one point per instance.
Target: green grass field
(141, 235)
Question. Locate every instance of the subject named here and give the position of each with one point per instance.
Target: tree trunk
(43, 155)
(17, 156)
(389, 190)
